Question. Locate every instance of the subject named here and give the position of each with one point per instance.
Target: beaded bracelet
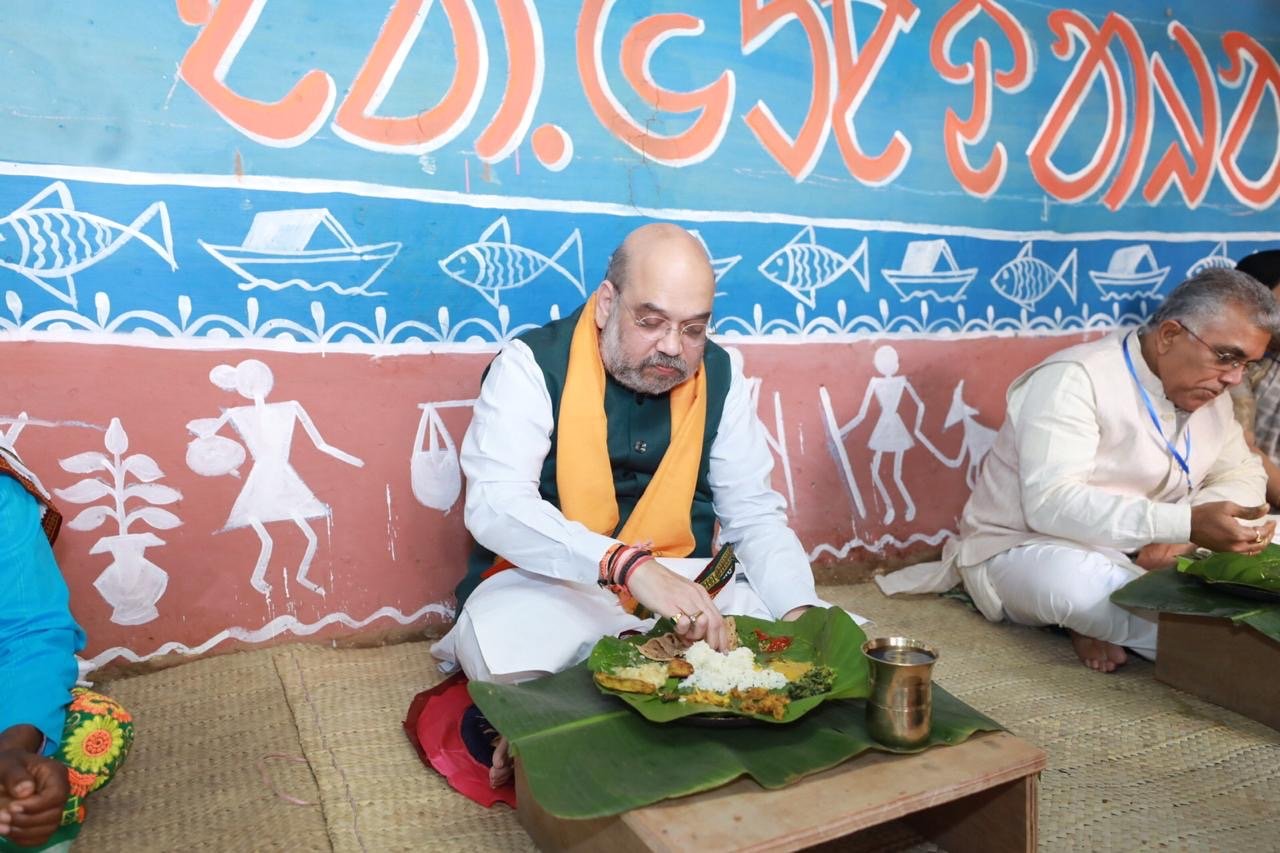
(607, 564)
(636, 559)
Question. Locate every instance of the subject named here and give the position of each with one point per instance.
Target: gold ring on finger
(1258, 538)
(694, 617)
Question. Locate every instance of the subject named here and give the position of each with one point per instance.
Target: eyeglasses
(1223, 360)
(656, 328)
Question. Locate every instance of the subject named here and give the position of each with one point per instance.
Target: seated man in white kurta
(1113, 455)
(600, 444)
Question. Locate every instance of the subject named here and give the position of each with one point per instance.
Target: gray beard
(631, 376)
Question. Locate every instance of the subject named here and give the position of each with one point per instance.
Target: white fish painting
(802, 266)
(719, 266)
(1026, 279)
(44, 242)
(493, 263)
(1219, 259)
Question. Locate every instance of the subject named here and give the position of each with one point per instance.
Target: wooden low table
(1221, 662)
(979, 795)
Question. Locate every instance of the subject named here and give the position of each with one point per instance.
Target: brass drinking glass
(900, 707)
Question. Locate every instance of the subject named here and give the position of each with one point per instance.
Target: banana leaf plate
(1169, 591)
(822, 636)
(1254, 576)
(587, 755)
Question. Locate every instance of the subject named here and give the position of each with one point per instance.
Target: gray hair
(1201, 297)
(617, 269)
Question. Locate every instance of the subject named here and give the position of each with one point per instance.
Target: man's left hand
(1159, 555)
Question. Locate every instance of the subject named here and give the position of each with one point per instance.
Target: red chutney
(769, 643)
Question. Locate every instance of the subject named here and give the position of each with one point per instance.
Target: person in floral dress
(58, 742)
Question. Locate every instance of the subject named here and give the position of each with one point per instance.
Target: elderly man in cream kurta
(1114, 455)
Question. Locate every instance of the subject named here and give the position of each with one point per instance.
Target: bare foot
(502, 770)
(1097, 654)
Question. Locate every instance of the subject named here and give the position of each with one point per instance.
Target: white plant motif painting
(124, 491)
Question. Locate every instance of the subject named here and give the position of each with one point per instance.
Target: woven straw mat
(1133, 763)
(195, 777)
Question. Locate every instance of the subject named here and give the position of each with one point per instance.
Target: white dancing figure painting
(273, 491)
(131, 584)
(890, 434)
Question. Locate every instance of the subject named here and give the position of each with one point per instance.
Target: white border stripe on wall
(95, 174)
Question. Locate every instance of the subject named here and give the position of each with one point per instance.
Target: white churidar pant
(1043, 584)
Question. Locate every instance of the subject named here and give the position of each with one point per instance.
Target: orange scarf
(584, 475)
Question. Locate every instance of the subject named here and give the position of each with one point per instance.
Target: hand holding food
(687, 604)
(1218, 526)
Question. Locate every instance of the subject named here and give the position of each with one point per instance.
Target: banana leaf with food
(1171, 591)
(1260, 571)
(587, 755)
(826, 638)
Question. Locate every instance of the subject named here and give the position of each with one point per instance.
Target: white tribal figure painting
(273, 491)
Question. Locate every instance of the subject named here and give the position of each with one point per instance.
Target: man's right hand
(1216, 526)
(668, 594)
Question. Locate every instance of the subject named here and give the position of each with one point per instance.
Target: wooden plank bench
(979, 795)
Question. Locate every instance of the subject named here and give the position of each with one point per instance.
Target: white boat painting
(286, 248)
(920, 275)
(1132, 273)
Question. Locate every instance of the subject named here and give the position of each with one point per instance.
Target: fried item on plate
(679, 668)
(645, 678)
(625, 685)
(757, 700)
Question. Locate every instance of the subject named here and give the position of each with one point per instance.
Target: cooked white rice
(724, 672)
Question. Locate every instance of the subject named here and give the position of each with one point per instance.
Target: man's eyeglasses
(656, 328)
(1223, 360)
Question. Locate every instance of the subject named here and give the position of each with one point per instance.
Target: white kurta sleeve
(752, 515)
(502, 456)
(1236, 475)
(1055, 421)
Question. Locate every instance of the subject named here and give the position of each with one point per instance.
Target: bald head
(670, 248)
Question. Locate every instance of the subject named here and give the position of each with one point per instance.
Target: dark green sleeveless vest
(638, 435)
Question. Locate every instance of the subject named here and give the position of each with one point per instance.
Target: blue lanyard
(1182, 458)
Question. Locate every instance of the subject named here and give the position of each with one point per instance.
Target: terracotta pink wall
(383, 558)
